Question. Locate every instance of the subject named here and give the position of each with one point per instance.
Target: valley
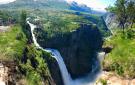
(54, 42)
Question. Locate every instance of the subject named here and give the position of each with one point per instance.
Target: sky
(5, 1)
(95, 4)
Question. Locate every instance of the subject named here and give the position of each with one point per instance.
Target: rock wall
(111, 21)
(56, 78)
(78, 48)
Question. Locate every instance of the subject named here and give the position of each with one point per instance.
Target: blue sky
(95, 4)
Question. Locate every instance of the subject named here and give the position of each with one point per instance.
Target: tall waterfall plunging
(64, 72)
(65, 75)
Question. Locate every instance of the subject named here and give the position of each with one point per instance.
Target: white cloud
(6, 1)
(95, 4)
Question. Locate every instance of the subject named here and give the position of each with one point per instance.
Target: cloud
(95, 4)
(6, 1)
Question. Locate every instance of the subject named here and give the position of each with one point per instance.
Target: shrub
(104, 82)
(130, 34)
(19, 36)
(117, 68)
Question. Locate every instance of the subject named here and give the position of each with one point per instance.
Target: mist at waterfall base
(88, 80)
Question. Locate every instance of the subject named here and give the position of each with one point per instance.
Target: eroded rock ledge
(109, 78)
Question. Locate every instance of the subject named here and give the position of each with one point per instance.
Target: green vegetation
(5, 18)
(8, 17)
(56, 23)
(4, 15)
(103, 82)
(15, 45)
(61, 25)
(131, 12)
(121, 59)
(23, 19)
(10, 45)
(97, 20)
(31, 4)
(125, 12)
(34, 66)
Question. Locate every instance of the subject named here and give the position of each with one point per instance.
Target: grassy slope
(34, 68)
(121, 59)
(9, 45)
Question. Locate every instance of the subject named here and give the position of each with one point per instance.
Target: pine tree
(23, 19)
(120, 9)
(131, 12)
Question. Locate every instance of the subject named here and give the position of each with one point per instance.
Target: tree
(23, 19)
(120, 9)
(131, 12)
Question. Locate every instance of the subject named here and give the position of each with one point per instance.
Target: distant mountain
(41, 4)
(48, 4)
(83, 8)
(79, 7)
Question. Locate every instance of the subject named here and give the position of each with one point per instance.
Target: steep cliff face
(54, 70)
(78, 48)
(111, 21)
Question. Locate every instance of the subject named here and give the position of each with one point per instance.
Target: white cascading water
(64, 72)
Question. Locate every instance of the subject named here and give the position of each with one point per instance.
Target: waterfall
(65, 75)
(64, 72)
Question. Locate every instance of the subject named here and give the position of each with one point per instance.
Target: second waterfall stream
(64, 72)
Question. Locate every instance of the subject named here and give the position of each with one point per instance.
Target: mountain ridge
(35, 4)
(47, 4)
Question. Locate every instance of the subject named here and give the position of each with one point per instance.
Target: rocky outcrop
(108, 78)
(111, 21)
(7, 72)
(107, 49)
(78, 48)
